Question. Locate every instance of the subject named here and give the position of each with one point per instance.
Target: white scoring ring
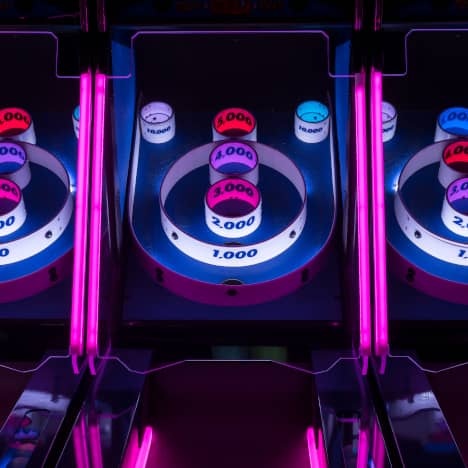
(13, 218)
(11, 152)
(389, 121)
(233, 255)
(238, 152)
(25, 247)
(231, 225)
(311, 122)
(433, 244)
(454, 219)
(157, 121)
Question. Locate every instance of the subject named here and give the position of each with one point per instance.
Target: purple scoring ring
(14, 163)
(234, 159)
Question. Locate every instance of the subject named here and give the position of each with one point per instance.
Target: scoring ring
(233, 255)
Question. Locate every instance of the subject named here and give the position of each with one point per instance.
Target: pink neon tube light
(81, 216)
(317, 456)
(378, 447)
(95, 445)
(145, 448)
(378, 217)
(131, 453)
(79, 444)
(137, 456)
(362, 215)
(363, 448)
(96, 214)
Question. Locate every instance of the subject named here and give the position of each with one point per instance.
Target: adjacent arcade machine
(45, 106)
(229, 288)
(420, 191)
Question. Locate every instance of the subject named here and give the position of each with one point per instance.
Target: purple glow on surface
(378, 218)
(145, 448)
(95, 446)
(317, 456)
(79, 444)
(81, 216)
(96, 216)
(362, 215)
(363, 448)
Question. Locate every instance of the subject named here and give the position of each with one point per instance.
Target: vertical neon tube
(131, 453)
(95, 445)
(378, 447)
(363, 448)
(145, 448)
(316, 450)
(96, 216)
(79, 444)
(378, 212)
(362, 215)
(81, 217)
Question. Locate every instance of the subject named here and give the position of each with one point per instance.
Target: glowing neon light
(362, 215)
(131, 453)
(95, 446)
(81, 217)
(363, 448)
(79, 444)
(145, 448)
(96, 216)
(378, 447)
(317, 456)
(378, 218)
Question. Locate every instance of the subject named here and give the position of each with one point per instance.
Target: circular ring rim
(241, 175)
(448, 131)
(35, 155)
(240, 180)
(17, 134)
(405, 212)
(20, 192)
(22, 166)
(393, 110)
(327, 116)
(296, 220)
(152, 103)
(227, 109)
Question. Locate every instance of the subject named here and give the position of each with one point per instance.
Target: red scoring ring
(234, 121)
(13, 121)
(457, 160)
